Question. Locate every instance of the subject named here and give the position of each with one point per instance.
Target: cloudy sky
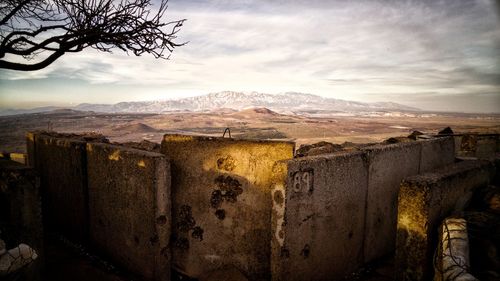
(435, 55)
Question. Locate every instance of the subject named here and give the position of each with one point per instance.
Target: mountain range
(285, 102)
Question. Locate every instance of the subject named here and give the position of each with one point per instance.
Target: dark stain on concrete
(230, 188)
(187, 223)
(161, 220)
(305, 251)
(164, 251)
(308, 217)
(285, 253)
(226, 163)
(197, 233)
(182, 243)
(186, 220)
(278, 197)
(153, 240)
(216, 199)
(220, 214)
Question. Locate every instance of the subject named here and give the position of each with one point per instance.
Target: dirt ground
(253, 124)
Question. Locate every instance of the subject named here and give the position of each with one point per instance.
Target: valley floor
(253, 124)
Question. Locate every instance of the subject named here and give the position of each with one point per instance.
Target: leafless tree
(35, 33)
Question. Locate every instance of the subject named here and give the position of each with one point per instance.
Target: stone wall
(121, 194)
(340, 209)
(482, 146)
(424, 201)
(61, 164)
(239, 205)
(20, 212)
(321, 235)
(129, 208)
(221, 194)
(388, 166)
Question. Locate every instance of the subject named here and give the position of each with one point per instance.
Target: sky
(434, 55)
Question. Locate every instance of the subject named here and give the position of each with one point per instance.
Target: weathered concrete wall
(321, 236)
(129, 208)
(482, 146)
(487, 147)
(424, 201)
(221, 193)
(61, 164)
(30, 149)
(436, 153)
(388, 166)
(20, 212)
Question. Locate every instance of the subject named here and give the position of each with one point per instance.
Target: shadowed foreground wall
(129, 208)
(20, 212)
(61, 164)
(222, 203)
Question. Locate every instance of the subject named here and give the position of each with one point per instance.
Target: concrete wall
(61, 163)
(437, 152)
(424, 201)
(20, 212)
(350, 215)
(321, 235)
(235, 203)
(221, 194)
(388, 166)
(129, 208)
(482, 146)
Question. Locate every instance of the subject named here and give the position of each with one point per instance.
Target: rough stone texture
(487, 146)
(452, 260)
(321, 237)
(482, 146)
(436, 153)
(20, 211)
(424, 201)
(230, 274)
(61, 164)
(221, 196)
(129, 208)
(30, 149)
(388, 166)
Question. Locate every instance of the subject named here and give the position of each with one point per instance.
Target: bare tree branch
(29, 28)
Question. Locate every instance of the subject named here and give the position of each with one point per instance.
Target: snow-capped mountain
(290, 101)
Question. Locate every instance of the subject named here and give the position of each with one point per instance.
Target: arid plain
(254, 123)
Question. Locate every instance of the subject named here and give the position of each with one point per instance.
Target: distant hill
(238, 100)
(9, 111)
(136, 128)
(256, 112)
(285, 102)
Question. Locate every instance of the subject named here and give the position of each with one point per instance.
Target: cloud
(360, 50)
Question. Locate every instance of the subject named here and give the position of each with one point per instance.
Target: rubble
(16, 258)
(446, 131)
